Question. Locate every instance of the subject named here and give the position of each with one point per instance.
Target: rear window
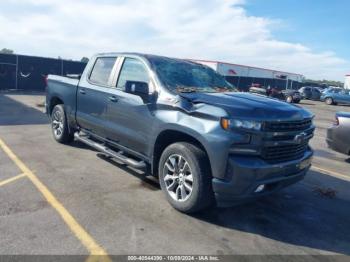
(102, 70)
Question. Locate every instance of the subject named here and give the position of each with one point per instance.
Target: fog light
(259, 189)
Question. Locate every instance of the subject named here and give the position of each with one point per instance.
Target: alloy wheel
(178, 178)
(57, 123)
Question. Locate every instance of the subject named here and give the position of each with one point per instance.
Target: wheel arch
(55, 100)
(168, 137)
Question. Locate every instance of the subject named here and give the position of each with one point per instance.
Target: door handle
(113, 99)
(82, 91)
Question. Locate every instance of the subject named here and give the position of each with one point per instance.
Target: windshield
(185, 76)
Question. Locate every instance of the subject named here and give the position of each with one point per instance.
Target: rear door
(316, 94)
(307, 92)
(94, 92)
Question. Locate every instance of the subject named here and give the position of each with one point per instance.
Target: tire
(289, 99)
(195, 167)
(296, 101)
(329, 101)
(59, 126)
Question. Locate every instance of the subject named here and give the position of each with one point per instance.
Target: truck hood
(245, 105)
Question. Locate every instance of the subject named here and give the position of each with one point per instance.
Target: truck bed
(65, 89)
(67, 80)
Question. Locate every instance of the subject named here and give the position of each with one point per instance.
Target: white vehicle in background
(347, 81)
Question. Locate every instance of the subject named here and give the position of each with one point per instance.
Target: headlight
(228, 124)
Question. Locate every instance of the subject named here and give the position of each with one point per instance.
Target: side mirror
(138, 88)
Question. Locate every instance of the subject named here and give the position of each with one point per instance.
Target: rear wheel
(184, 175)
(59, 125)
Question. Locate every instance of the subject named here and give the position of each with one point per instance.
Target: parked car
(329, 89)
(336, 96)
(185, 124)
(288, 95)
(338, 135)
(310, 93)
(292, 96)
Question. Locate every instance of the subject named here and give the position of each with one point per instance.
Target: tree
(6, 51)
(84, 60)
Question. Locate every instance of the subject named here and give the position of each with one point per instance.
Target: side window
(132, 70)
(102, 70)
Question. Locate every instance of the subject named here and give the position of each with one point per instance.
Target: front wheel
(329, 101)
(185, 177)
(289, 99)
(59, 125)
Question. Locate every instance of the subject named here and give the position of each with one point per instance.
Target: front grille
(287, 126)
(285, 152)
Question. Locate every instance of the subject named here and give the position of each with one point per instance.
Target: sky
(310, 37)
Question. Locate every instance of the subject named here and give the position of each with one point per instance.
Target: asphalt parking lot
(58, 199)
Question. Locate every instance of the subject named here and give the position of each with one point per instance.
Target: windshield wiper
(186, 90)
(224, 89)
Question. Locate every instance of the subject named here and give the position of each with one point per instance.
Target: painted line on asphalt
(332, 173)
(97, 252)
(12, 179)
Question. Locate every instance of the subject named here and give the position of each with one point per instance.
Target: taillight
(336, 121)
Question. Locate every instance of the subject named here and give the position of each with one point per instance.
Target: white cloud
(213, 29)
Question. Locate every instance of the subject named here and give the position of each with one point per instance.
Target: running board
(111, 153)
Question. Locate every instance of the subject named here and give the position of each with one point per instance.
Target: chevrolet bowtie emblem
(300, 138)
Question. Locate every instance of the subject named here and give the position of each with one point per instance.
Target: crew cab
(185, 124)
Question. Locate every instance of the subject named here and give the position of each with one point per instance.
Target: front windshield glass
(183, 76)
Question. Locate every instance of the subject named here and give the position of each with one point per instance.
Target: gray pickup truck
(185, 124)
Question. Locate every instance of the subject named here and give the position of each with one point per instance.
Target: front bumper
(246, 174)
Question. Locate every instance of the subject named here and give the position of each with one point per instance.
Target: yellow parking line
(332, 173)
(2, 183)
(97, 251)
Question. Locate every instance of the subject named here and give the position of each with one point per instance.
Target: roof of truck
(127, 53)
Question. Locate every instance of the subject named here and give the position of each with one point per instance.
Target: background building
(347, 82)
(22, 72)
(245, 76)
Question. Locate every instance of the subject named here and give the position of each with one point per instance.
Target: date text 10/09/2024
(173, 258)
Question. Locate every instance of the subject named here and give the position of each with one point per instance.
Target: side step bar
(117, 155)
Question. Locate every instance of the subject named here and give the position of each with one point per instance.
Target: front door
(93, 95)
(130, 118)
(344, 97)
